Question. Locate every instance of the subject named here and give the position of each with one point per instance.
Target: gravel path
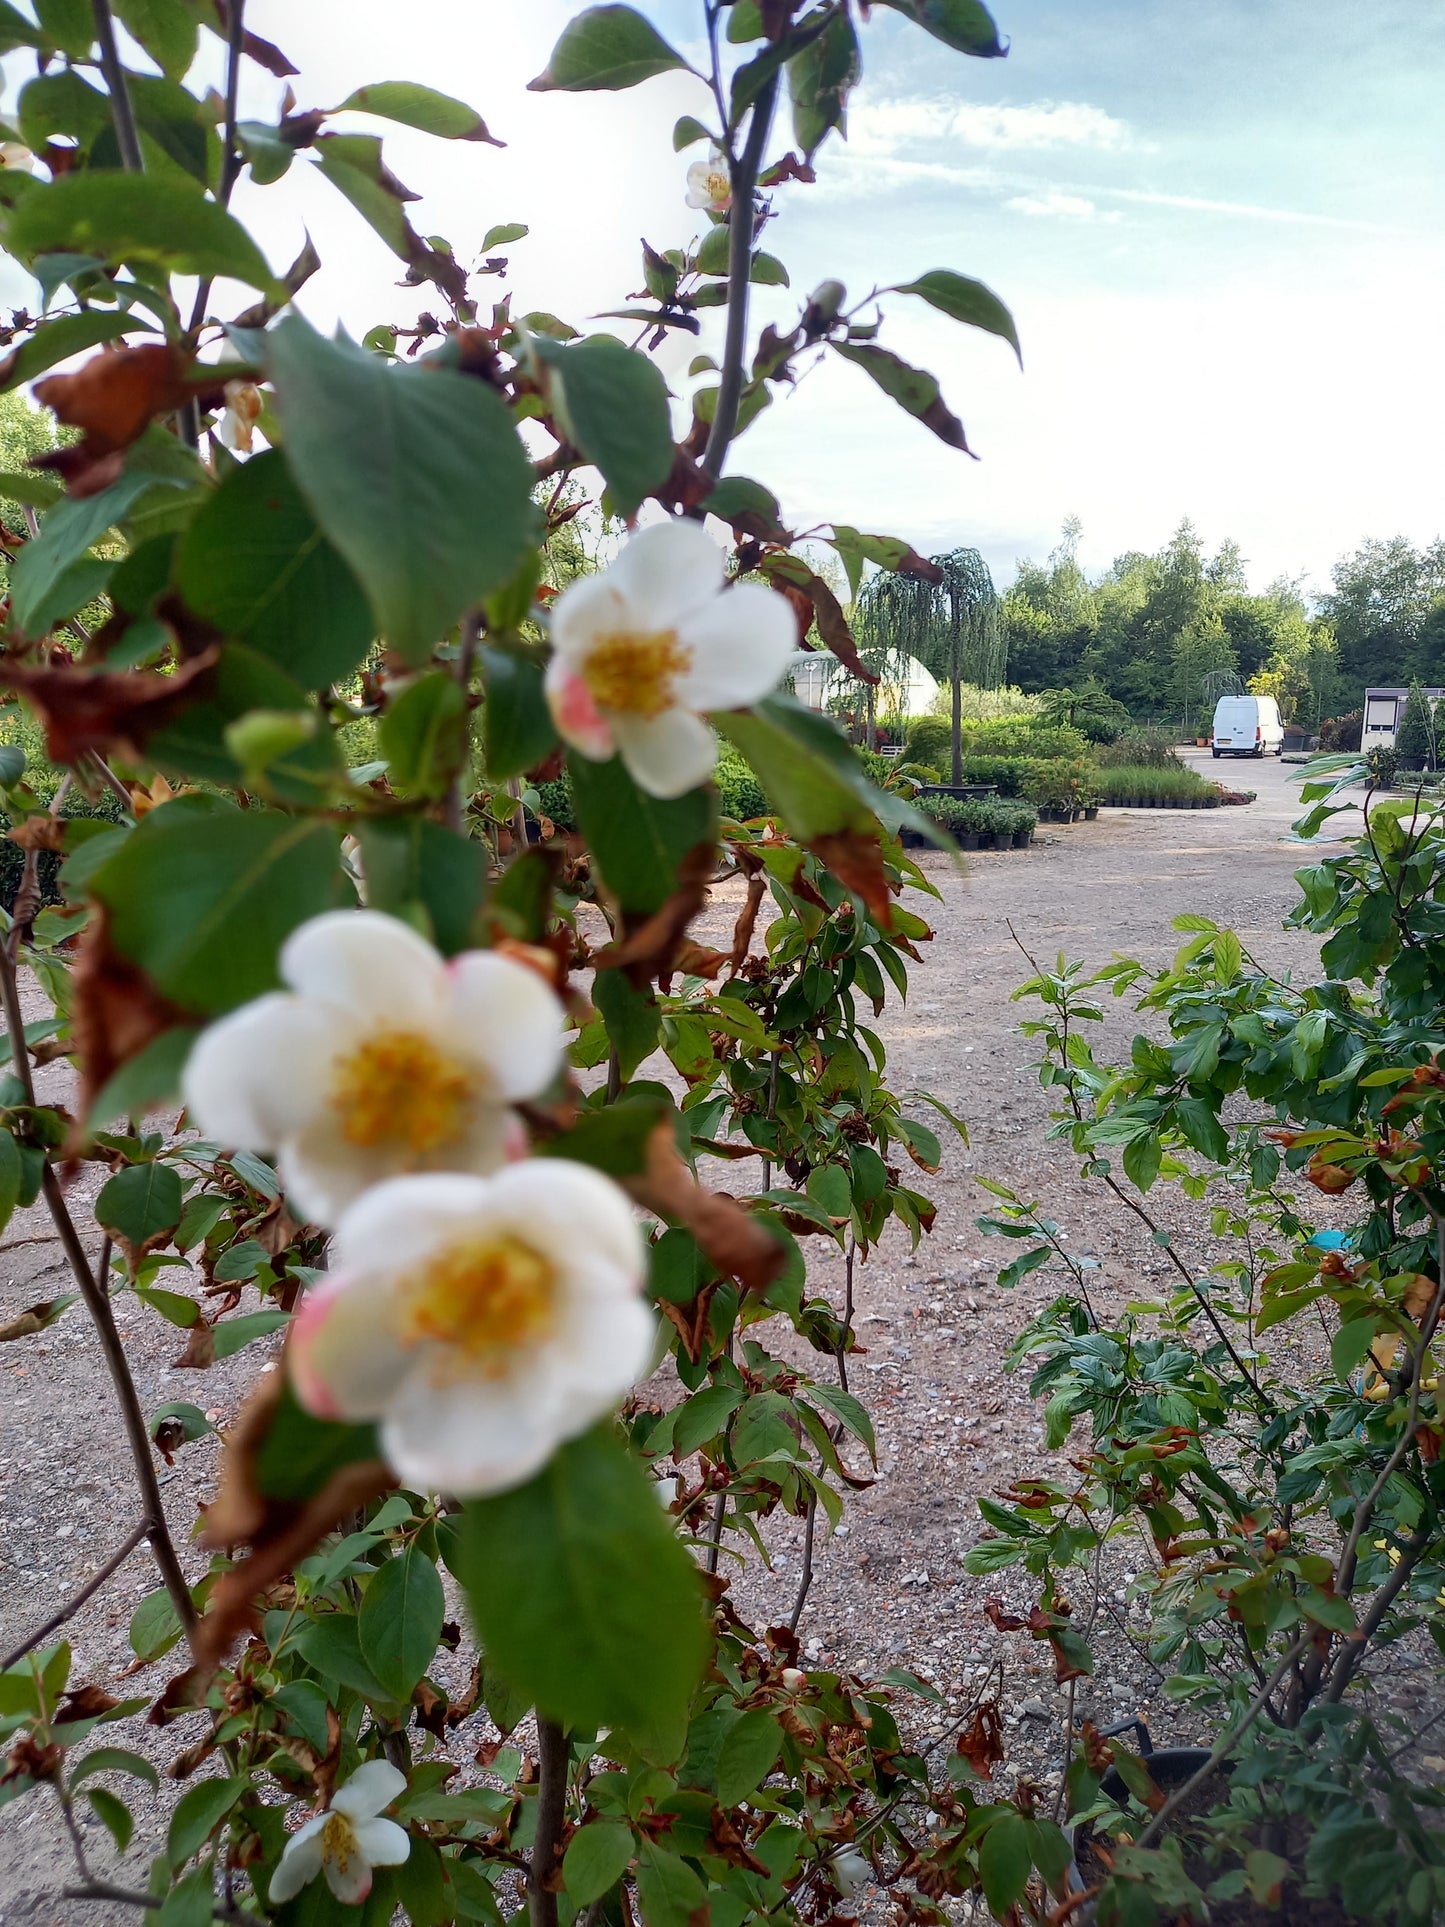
(889, 1587)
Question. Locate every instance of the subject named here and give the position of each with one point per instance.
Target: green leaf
(1142, 1158)
(400, 1621)
(203, 897)
(417, 106)
(12, 1176)
(843, 1405)
(40, 491)
(255, 564)
(820, 79)
(67, 335)
(670, 1893)
(1350, 1344)
(611, 402)
(69, 529)
(806, 766)
(61, 103)
(748, 1755)
(1004, 1863)
(141, 1206)
(583, 1596)
(143, 219)
(423, 734)
(233, 1333)
(638, 841)
(517, 726)
(152, 1075)
(417, 475)
(167, 30)
(967, 301)
(192, 1420)
(1199, 1123)
(15, 29)
(173, 1306)
(199, 1811)
(764, 1426)
(115, 1759)
(300, 1453)
(503, 235)
(606, 48)
(69, 23)
(426, 874)
(114, 1815)
(331, 1646)
(191, 1902)
(687, 132)
(631, 1016)
(154, 1627)
(1015, 1273)
(748, 506)
(965, 25)
(597, 1856)
(830, 1186)
(914, 389)
(702, 1417)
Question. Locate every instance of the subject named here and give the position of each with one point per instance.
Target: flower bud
(794, 1679)
(264, 736)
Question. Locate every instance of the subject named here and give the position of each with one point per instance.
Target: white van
(1247, 726)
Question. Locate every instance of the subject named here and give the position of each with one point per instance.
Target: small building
(905, 687)
(1383, 711)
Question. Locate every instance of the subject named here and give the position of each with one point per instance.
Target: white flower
(380, 1058)
(243, 410)
(850, 1870)
(639, 649)
(16, 154)
(348, 1840)
(709, 184)
(481, 1320)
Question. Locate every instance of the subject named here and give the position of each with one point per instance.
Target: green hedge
(987, 815)
(106, 808)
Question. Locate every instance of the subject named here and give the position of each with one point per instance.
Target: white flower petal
(740, 646)
(586, 610)
(397, 1223)
(300, 1862)
(477, 1435)
(506, 1018)
(374, 1785)
(579, 721)
(348, 1876)
(666, 572)
(377, 967)
(666, 755)
(343, 1351)
(568, 1210)
(607, 1347)
(257, 1076)
(383, 1842)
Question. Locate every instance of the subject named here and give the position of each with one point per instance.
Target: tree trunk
(955, 674)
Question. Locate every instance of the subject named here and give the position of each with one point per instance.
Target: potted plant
(1292, 1498)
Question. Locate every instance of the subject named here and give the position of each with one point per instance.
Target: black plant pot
(1091, 814)
(966, 839)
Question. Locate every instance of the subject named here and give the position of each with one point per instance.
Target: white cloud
(1072, 206)
(883, 126)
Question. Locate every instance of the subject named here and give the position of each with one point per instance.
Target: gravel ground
(889, 1587)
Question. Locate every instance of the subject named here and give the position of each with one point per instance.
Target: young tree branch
(76, 1601)
(744, 169)
(553, 1752)
(127, 135)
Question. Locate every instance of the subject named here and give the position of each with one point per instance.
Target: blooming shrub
(433, 1171)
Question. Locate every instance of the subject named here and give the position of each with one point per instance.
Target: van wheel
(1217, 755)
(1259, 754)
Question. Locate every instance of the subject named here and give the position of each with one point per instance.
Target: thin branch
(76, 1601)
(466, 662)
(230, 148)
(127, 1897)
(1225, 1745)
(96, 1293)
(553, 1752)
(127, 135)
(744, 170)
(840, 1353)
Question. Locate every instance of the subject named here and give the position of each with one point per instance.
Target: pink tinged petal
(505, 1017)
(397, 1225)
(349, 1876)
(344, 1352)
(564, 1208)
(300, 1863)
(666, 572)
(589, 609)
(377, 968)
(471, 1436)
(383, 1842)
(373, 1786)
(666, 755)
(260, 1074)
(740, 644)
(579, 721)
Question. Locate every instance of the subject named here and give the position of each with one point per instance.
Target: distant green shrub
(1060, 785)
(929, 740)
(981, 815)
(1142, 785)
(740, 794)
(1139, 748)
(1020, 737)
(43, 783)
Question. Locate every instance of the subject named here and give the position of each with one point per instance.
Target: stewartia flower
(348, 1840)
(640, 648)
(709, 184)
(481, 1320)
(380, 1058)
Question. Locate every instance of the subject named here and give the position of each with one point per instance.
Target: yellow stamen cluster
(399, 1089)
(338, 1842)
(632, 674)
(489, 1296)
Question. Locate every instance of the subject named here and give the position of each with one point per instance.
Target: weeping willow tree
(951, 625)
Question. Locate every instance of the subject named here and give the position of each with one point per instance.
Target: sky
(1219, 230)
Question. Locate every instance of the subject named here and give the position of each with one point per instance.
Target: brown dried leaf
(35, 1318)
(856, 858)
(649, 949)
(981, 1741)
(200, 1352)
(734, 1243)
(101, 710)
(112, 399)
(115, 1012)
(834, 629)
(42, 832)
(84, 1703)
